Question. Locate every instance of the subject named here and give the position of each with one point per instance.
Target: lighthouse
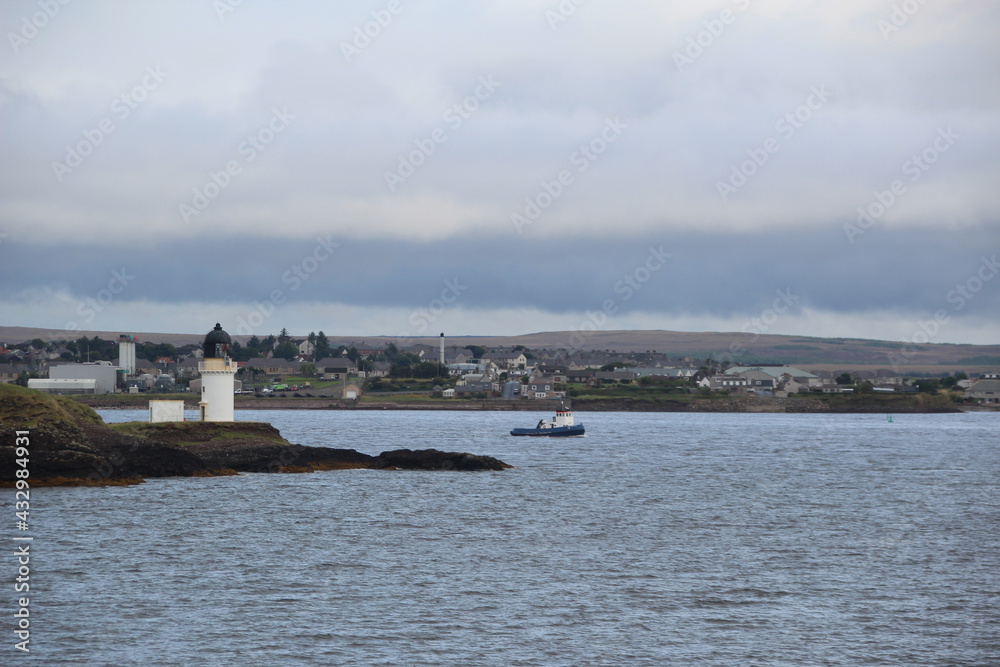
(217, 378)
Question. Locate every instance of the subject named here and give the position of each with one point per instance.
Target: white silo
(126, 353)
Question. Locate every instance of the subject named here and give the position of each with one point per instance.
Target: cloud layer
(534, 153)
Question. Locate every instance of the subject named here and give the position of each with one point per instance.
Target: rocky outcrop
(432, 459)
(70, 444)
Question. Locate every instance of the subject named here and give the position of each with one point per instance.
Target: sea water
(656, 539)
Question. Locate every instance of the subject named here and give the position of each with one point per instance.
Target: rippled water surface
(657, 539)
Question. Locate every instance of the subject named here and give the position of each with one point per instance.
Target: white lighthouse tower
(217, 378)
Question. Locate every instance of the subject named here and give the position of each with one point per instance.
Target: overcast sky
(400, 167)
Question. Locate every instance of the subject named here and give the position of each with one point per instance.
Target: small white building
(726, 382)
(166, 411)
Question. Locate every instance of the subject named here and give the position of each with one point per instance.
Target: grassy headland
(69, 444)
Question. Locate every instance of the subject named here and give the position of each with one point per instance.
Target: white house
(507, 360)
(985, 391)
(538, 389)
(775, 373)
(306, 348)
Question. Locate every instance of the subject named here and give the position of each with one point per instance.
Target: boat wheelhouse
(563, 424)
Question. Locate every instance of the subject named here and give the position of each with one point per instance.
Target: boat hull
(559, 431)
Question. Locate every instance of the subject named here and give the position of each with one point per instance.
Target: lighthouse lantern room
(217, 378)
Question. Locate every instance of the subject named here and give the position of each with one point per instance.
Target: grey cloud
(657, 185)
(707, 273)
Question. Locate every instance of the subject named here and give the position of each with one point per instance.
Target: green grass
(403, 398)
(315, 382)
(141, 400)
(21, 407)
(982, 360)
(218, 430)
(885, 402)
(405, 384)
(641, 393)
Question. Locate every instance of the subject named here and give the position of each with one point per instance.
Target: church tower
(217, 378)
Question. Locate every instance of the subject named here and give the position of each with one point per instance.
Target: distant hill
(811, 353)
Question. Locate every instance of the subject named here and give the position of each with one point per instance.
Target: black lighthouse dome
(217, 343)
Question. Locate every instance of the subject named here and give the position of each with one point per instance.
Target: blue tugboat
(562, 425)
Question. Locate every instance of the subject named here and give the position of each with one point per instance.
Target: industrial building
(64, 385)
(102, 373)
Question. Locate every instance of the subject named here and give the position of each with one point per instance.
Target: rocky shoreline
(70, 445)
(851, 405)
(920, 403)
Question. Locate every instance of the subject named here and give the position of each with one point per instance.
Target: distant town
(311, 367)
